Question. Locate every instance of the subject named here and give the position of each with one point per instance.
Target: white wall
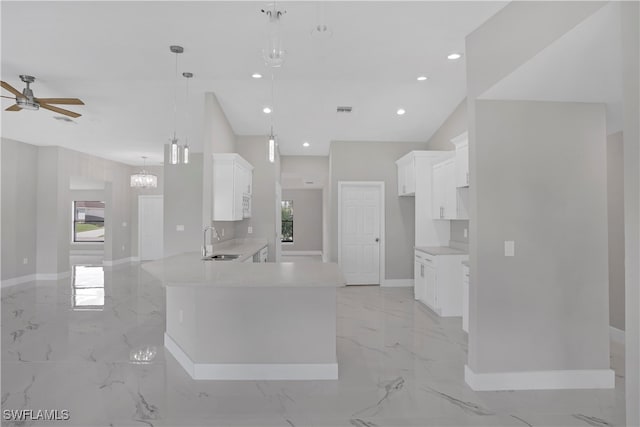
(490, 57)
(542, 184)
(375, 161)
(19, 208)
(218, 138)
(631, 47)
(183, 199)
(615, 215)
(307, 220)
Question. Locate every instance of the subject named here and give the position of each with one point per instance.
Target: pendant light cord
(273, 99)
(175, 99)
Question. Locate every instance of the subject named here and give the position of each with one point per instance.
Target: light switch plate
(509, 248)
(179, 227)
(25, 260)
(466, 233)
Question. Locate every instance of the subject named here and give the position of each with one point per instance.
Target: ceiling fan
(26, 100)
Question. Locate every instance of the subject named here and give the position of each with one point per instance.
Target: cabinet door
(410, 177)
(437, 192)
(430, 290)
(462, 165)
(238, 187)
(418, 280)
(450, 201)
(401, 178)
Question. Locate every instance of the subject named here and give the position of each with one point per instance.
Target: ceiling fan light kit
(26, 101)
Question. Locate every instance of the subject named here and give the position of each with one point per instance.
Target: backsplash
(457, 237)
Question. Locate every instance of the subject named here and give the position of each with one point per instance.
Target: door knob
(377, 239)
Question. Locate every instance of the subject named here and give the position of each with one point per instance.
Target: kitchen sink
(221, 257)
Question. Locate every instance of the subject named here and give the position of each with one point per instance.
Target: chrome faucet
(204, 238)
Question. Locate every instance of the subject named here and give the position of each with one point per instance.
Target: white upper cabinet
(406, 175)
(444, 204)
(232, 187)
(462, 159)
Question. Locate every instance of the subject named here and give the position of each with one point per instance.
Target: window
(88, 221)
(287, 221)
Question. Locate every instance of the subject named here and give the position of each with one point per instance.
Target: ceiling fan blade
(60, 110)
(68, 101)
(14, 107)
(8, 97)
(11, 89)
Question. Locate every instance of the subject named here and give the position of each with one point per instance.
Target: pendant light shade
(272, 148)
(274, 53)
(144, 179)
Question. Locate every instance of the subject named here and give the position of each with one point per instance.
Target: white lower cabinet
(465, 298)
(438, 282)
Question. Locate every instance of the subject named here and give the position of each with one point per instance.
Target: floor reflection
(87, 283)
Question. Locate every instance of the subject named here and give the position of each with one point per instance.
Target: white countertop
(440, 250)
(188, 269)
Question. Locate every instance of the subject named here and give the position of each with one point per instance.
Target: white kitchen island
(250, 321)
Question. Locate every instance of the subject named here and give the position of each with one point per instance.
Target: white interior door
(150, 227)
(360, 231)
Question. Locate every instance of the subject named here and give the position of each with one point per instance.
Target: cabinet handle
(467, 178)
(441, 212)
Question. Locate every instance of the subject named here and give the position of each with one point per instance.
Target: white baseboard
(53, 276)
(397, 283)
(119, 261)
(301, 253)
(540, 380)
(616, 335)
(18, 280)
(251, 371)
(34, 278)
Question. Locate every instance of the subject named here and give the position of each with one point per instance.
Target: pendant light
(175, 152)
(185, 148)
(271, 149)
(274, 53)
(144, 179)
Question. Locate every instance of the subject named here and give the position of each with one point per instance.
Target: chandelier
(144, 179)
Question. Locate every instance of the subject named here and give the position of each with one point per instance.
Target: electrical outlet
(509, 248)
(250, 230)
(466, 233)
(25, 260)
(180, 227)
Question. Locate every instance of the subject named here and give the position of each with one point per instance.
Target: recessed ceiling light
(453, 56)
(256, 75)
(422, 78)
(400, 111)
(305, 144)
(266, 110)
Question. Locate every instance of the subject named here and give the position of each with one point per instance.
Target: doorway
(361, 231)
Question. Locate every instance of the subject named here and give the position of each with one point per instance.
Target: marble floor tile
(100, 355)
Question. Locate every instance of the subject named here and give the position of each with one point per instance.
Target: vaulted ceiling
(115, 57)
